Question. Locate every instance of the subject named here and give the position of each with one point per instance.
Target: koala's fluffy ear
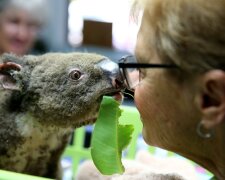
(6, 79)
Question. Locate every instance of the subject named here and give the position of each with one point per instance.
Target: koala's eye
(75, 75)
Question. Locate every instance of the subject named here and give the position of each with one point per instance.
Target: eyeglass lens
(131, 74)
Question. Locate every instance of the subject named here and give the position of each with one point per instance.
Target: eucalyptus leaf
(109, 138)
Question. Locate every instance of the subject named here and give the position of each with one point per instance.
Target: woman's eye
(75, 75)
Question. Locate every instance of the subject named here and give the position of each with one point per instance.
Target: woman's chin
(148, 138)
(145, 136)
(18, 50)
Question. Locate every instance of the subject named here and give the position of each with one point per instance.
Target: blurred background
(90, 25)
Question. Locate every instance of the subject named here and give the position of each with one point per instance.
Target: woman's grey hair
(38, 9)
(190, 33)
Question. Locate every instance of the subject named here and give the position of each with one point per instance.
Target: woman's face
(17, 31)
(167, 107)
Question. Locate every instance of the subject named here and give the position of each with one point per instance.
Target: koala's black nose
(111, 69)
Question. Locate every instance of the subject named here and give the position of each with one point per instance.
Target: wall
(55, 32)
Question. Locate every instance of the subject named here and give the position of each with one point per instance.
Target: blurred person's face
(167, 108)
(17, 31)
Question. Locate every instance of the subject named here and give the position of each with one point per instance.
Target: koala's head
(60, 89)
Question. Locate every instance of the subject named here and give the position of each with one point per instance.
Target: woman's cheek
(138, 97)
(141, 97)
(146, 103)
(142, 104)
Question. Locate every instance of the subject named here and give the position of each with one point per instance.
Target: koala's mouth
(118, 96)
(90, 121)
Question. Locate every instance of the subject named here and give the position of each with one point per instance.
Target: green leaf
(109, 138)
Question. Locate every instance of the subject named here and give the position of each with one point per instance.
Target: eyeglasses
(130, 70)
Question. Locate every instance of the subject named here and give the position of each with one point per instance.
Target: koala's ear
(6, 79)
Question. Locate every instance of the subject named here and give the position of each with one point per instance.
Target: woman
(182, 104)
(180, 89)
(20, 21)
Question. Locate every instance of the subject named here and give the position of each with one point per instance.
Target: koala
(42, 99)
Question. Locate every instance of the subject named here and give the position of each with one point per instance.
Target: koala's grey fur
(41, 105)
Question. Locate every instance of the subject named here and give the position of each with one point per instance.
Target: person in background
(182, 102)
(20, 21)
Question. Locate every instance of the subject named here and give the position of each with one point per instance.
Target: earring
(202, 132)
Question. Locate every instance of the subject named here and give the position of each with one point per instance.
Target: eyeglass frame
(122, 66)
